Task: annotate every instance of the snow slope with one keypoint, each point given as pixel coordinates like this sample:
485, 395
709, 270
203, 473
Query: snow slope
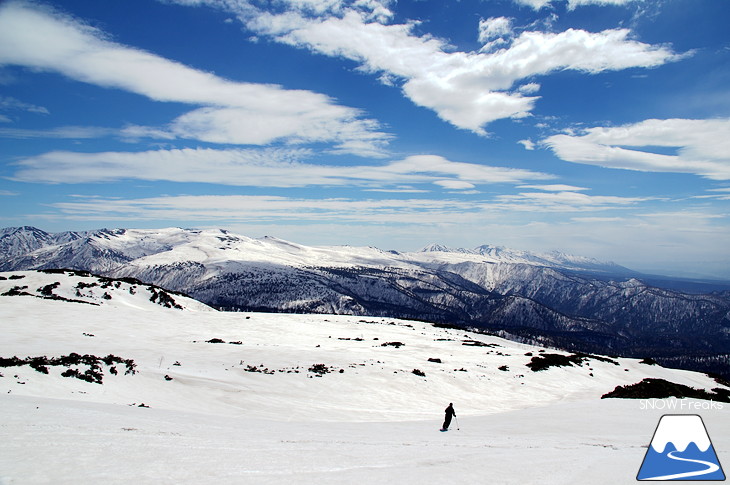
248, 409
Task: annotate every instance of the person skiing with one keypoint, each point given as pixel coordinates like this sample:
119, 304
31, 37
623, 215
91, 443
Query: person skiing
449, 414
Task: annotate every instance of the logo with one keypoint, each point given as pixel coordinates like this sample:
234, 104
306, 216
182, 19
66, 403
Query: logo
681, 450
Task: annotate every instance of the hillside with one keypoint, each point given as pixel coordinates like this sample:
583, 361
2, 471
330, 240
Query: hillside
260, 383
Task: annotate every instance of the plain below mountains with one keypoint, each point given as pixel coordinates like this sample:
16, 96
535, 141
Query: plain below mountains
553, 299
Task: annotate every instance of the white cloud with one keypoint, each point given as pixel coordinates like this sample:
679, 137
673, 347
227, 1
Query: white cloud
690, 241
554, 188
8, 103
702, 147
455, 184
259, 167
262, 209
70, 132
528, 144
565, 201
579, 3
466, 89
231, 112
494, 28
572, 4
529, 88
8, 193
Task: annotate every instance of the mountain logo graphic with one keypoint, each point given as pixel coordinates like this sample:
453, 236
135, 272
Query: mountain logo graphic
681, 450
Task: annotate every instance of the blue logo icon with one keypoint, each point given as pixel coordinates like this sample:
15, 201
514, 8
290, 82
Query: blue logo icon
681, 450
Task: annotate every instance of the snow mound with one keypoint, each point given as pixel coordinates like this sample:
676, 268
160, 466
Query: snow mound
82, 287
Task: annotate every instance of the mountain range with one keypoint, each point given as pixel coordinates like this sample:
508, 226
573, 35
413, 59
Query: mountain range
566, 301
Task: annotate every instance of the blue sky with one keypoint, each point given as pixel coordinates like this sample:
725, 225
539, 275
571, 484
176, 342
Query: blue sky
595, 127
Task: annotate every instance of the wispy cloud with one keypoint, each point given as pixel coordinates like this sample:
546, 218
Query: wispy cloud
554, 188
702, 147
230, 112
70, 132
565, 202
466, 89
267, 209
260, 167
8, 103
236, 209
572, 4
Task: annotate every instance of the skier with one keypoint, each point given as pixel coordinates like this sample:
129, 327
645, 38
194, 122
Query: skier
449, 414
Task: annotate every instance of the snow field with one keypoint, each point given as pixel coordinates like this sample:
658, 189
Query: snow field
375, 422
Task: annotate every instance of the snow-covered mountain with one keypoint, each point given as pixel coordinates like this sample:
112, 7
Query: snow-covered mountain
126, 390
568, 301
555, 259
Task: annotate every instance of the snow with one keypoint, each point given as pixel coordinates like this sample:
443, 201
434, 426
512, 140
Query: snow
375, 422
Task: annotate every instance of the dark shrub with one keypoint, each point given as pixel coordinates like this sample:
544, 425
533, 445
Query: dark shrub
659, 389
319, 369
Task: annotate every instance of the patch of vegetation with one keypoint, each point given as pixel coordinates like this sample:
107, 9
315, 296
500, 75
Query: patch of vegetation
17, 291
16, 277
163, 298
503, 368
477, 343
397, 345
648, 361
651, 388
260, 369
81, 285
435, 360
48, 289
93, 373
545, 361
217, 340
319, 369
418, 372
46, 293
72, 272
610, 360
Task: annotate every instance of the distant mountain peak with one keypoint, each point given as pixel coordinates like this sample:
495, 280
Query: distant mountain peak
436, 248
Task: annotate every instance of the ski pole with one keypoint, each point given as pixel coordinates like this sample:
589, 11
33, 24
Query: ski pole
457, 423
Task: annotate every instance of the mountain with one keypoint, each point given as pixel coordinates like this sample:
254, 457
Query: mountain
146, 393
565, 301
